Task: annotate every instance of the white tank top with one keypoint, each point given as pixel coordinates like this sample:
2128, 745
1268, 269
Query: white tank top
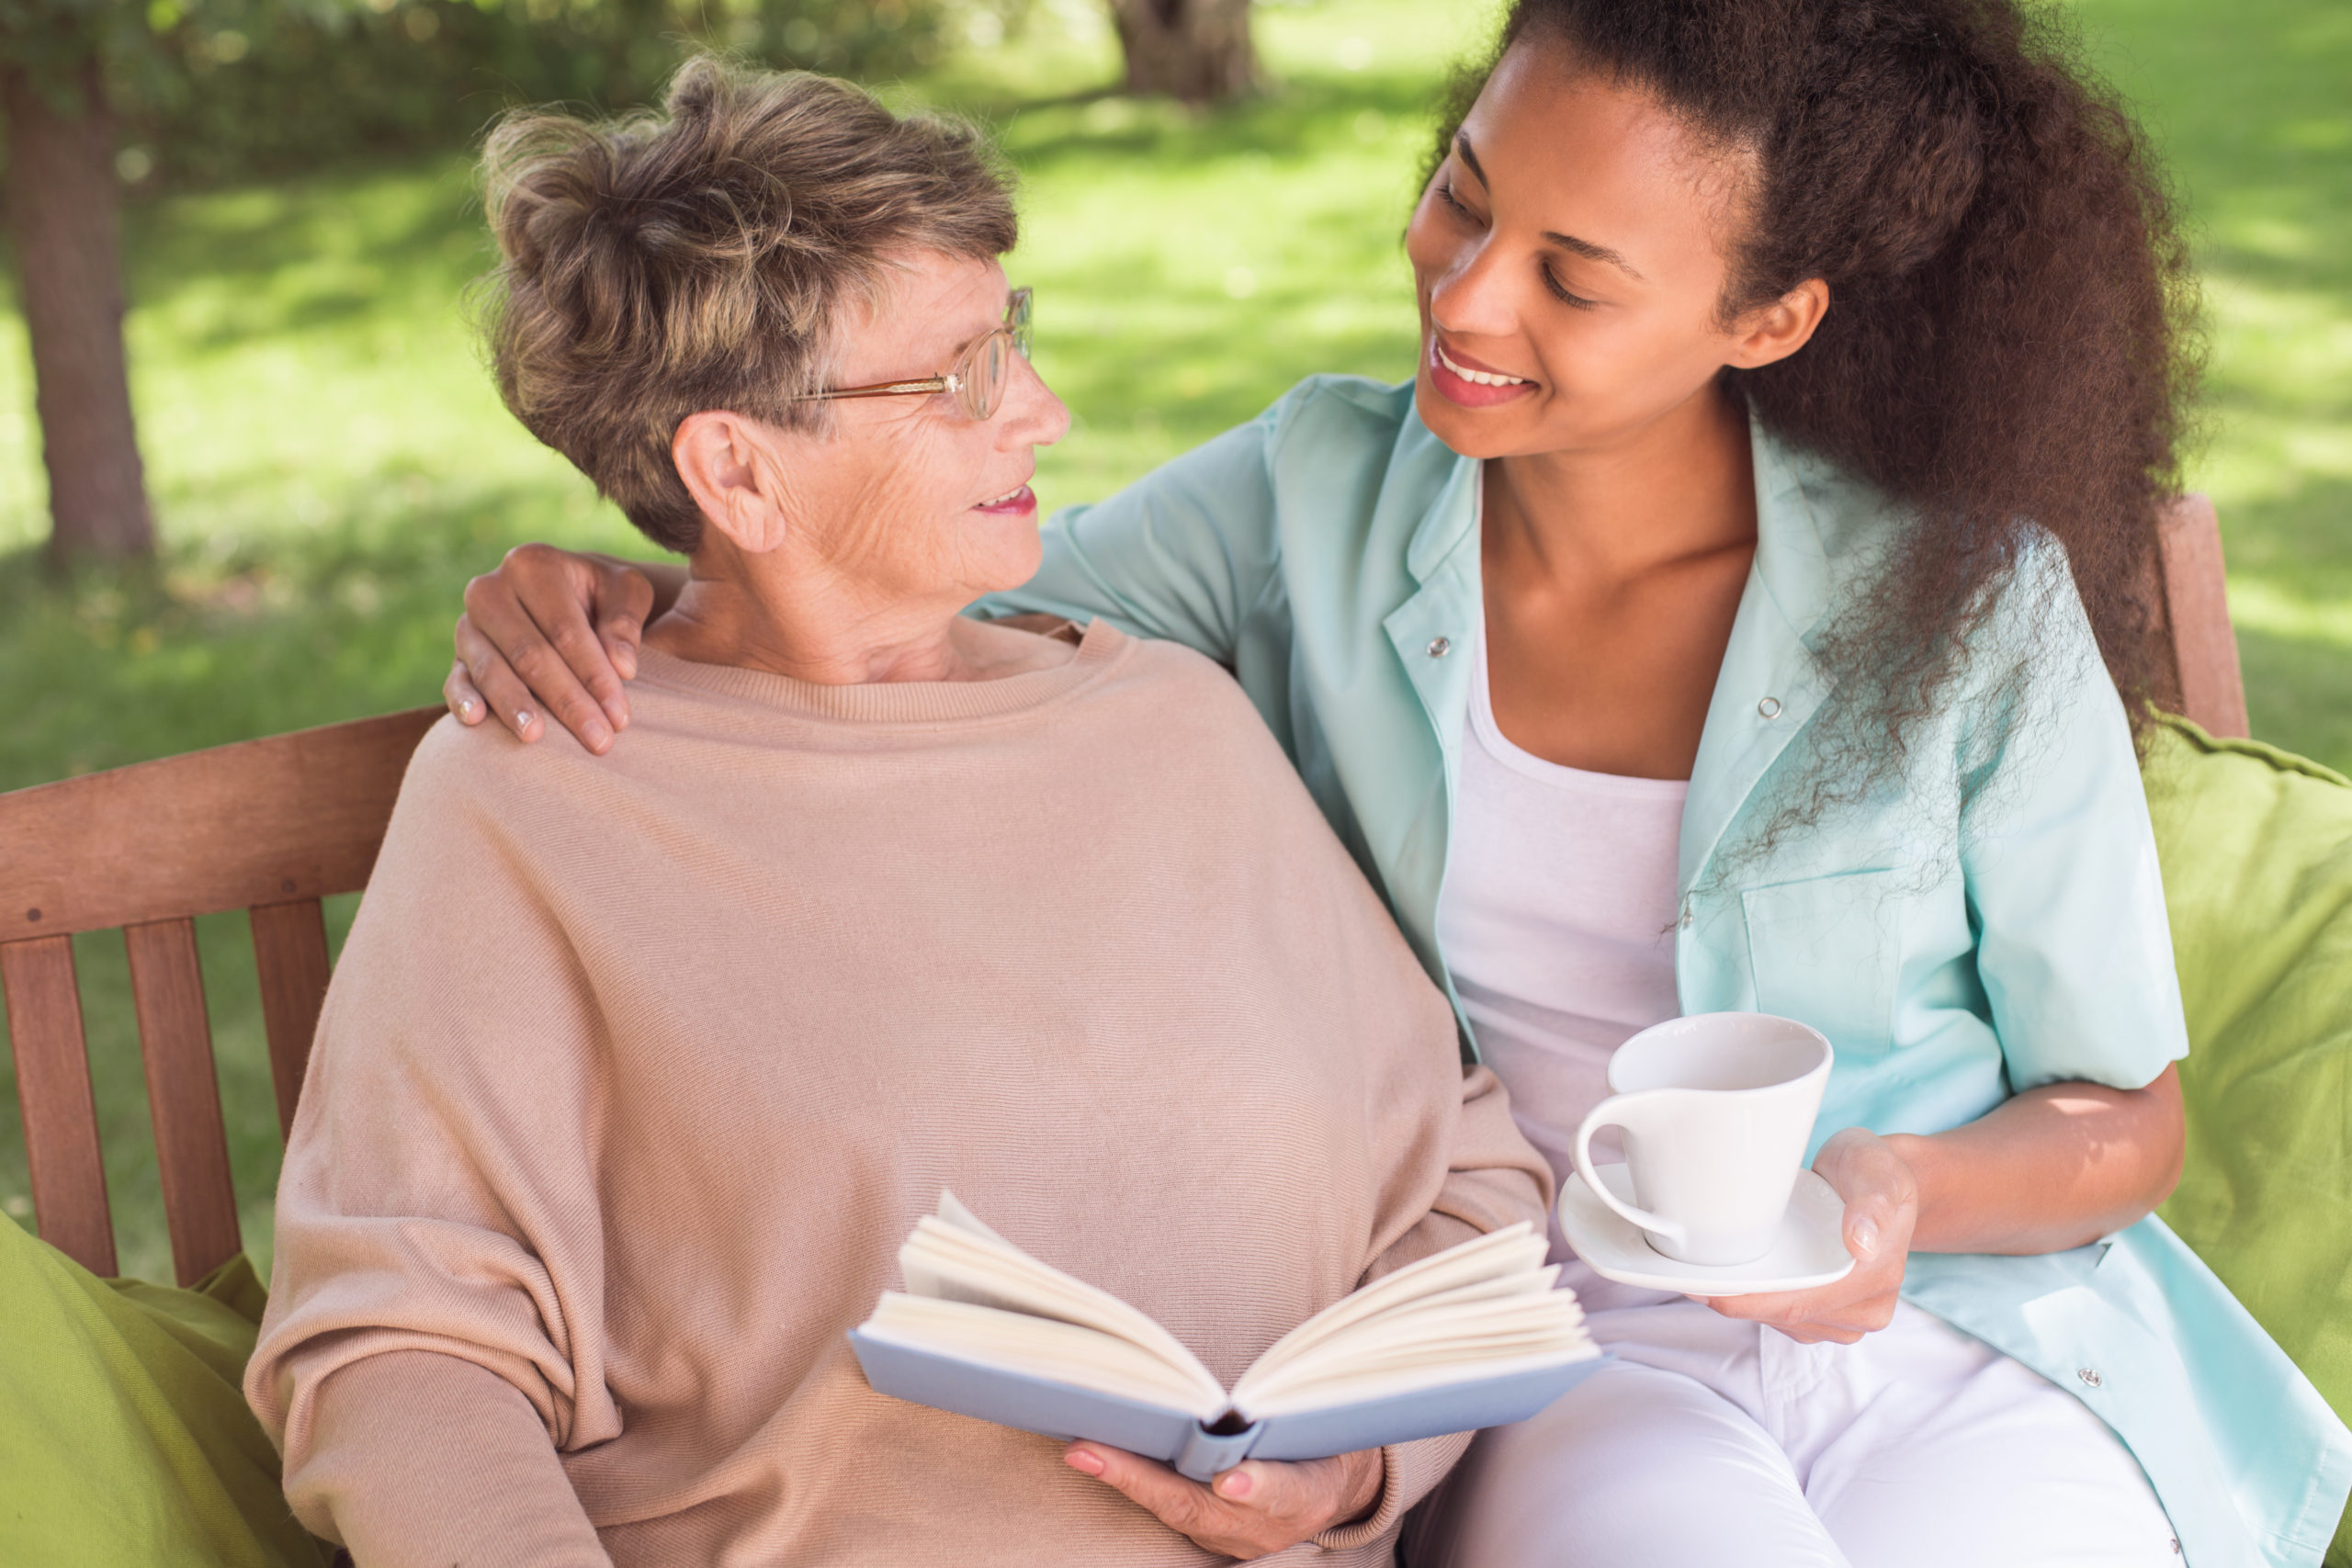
1557, 919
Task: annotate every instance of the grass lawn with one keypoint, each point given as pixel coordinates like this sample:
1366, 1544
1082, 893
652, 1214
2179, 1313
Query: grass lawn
330, 464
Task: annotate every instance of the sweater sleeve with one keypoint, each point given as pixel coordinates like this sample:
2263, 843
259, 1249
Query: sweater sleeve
424, 1460
439, 1208
1496, 1179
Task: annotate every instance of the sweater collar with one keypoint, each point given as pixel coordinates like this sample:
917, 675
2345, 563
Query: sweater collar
895, 702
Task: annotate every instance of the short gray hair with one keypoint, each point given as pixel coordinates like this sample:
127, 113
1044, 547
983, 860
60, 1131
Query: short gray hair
662, 263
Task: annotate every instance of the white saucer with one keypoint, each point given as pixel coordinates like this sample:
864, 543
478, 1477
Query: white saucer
1810, 1250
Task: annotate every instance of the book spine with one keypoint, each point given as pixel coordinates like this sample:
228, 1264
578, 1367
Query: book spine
1206, 1453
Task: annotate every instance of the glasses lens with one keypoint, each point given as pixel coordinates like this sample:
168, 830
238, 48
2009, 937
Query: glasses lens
1017, 319
984, 382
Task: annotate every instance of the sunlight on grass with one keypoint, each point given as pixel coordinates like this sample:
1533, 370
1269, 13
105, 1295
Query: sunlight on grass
2250, 106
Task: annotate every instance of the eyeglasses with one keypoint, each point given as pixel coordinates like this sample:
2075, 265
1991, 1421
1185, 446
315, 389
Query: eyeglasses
980, 373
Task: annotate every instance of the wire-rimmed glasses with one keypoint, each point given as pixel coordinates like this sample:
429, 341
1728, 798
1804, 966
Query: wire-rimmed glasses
979, 377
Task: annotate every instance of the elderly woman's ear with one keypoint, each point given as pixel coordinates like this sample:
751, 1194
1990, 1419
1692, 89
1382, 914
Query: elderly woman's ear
730, 465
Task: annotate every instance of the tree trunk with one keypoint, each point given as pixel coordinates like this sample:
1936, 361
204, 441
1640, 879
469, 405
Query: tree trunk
63, 215
1198, 51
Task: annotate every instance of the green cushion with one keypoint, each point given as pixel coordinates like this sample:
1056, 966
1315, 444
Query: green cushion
125, 1438
2256, 849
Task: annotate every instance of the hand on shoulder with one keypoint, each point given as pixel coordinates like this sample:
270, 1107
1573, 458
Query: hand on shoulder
553, 633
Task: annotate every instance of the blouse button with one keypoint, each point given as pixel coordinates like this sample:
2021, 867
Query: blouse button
1770, 707
1440, 647
2089, 1375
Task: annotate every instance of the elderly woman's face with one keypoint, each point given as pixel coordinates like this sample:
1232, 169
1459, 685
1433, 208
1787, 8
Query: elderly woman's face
911, 494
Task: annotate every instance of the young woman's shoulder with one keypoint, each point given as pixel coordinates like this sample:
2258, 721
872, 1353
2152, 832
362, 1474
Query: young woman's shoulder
1335, 420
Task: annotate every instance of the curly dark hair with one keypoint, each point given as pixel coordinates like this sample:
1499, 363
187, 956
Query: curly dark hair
2010, 328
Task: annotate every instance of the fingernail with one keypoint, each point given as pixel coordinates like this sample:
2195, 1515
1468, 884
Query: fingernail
1234, 1483
1866, 1234
624, 659
465, 707
1085, 1460
522, 718
598, 737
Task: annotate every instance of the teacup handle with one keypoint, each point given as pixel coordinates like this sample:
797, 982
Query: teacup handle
1611, 1112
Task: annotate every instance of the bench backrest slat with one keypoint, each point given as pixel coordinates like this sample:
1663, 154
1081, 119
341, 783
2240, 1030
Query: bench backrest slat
183, 1096
290, 950
61, 1120
2212, 690
266, 821
267, 825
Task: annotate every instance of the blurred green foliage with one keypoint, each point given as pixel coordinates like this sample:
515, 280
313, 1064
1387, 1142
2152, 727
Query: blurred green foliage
226, 88
210, 90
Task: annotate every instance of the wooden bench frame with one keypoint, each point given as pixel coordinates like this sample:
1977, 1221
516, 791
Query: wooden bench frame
272, 825
268, 825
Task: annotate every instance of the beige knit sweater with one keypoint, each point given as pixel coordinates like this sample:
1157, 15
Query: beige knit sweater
636, 1071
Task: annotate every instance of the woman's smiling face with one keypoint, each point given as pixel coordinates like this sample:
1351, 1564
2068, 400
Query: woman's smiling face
1569, 257
913, 490
908, 498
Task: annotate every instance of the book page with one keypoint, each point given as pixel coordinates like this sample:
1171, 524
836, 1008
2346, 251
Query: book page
1041, 1347
954, 1257
1344, 1388
1478, 1310
1460, 1345
1503, 1260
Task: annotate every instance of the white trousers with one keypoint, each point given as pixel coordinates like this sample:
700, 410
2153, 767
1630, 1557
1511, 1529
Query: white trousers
1713, 1443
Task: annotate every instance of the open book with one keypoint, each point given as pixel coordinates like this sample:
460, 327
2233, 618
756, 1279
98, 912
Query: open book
1472, 1337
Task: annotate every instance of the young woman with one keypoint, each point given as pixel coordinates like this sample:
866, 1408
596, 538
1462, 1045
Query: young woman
1732, 613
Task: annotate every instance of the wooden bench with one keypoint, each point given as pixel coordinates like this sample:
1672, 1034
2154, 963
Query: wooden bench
272, 825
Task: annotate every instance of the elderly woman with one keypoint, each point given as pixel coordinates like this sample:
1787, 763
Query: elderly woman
871, 901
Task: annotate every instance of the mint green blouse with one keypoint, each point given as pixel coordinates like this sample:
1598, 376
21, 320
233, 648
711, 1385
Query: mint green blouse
1988, 918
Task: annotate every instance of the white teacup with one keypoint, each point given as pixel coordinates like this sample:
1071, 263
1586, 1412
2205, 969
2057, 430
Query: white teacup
1716, 1110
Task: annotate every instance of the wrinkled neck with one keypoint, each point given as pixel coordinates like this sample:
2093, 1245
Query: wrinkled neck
810, 623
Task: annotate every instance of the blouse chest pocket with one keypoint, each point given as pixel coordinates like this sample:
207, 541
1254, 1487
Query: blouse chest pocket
1828, 951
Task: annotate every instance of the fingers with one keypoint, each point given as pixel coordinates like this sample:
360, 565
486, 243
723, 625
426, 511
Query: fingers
1862, 1303
598, 646
1309, 1498
1251, 1510
523, 667
621, 600
1813, 1334
1881, 1193
1185, 1506
1882, 1196
500, 690
1811, 1315
459, 692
